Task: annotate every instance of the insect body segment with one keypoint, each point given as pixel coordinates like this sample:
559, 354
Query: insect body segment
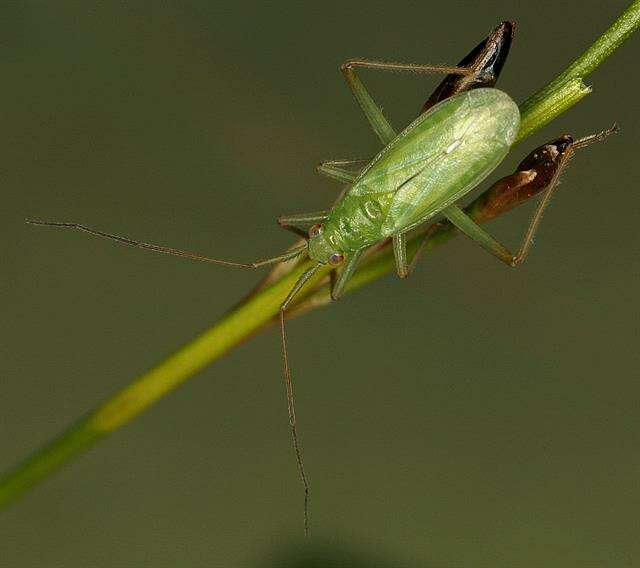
441, 156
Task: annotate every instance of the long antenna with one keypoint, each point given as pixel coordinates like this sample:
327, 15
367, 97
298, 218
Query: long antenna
167, 250
305, 276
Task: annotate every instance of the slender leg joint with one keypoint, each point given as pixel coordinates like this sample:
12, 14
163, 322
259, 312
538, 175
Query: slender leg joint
346, 66
399, 242
539, 172
349, 65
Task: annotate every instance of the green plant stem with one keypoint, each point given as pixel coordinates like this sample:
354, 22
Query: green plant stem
260, 308
590, 59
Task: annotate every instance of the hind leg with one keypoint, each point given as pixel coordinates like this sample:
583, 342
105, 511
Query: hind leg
371, 109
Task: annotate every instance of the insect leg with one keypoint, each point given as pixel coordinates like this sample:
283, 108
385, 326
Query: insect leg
400, 253
335, 169
474, 231
289, 390
372, 110
337, 286
542, 167
168, 250
302, 221
381, 126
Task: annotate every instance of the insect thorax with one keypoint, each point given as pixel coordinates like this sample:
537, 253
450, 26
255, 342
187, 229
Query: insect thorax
356, 222
353, 224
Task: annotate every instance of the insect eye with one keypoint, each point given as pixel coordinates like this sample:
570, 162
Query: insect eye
336, 258
315, 230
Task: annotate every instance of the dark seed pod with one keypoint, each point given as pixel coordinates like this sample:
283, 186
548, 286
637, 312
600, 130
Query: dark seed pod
533, 175
487, 57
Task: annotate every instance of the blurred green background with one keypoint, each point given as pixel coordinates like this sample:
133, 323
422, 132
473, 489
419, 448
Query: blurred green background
470, 416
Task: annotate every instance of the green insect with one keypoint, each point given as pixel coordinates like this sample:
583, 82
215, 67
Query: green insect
464, 132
